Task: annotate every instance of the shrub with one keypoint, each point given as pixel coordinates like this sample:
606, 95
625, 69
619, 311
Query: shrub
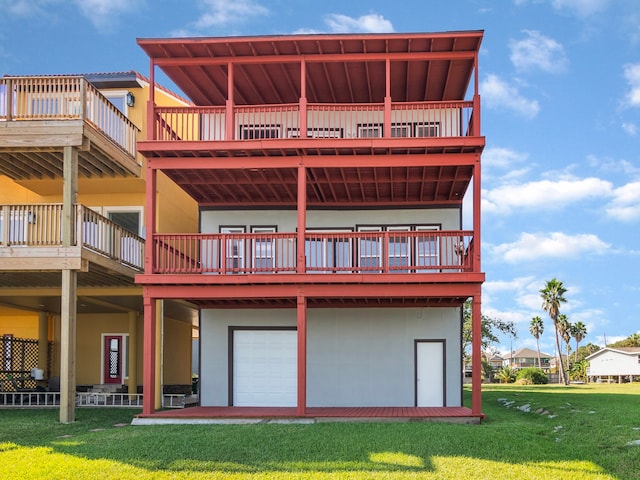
506, 375
535, 375
523, 381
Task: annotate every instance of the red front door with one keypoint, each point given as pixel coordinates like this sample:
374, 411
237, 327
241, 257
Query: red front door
112, 348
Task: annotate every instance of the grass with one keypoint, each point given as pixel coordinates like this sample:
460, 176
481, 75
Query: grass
580, 432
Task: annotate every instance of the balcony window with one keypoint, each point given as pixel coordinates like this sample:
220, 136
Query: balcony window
370, 250
328, 254
370, 130
234, 247
399, 130
427, 129
18, 227
254, 132
399, 250
263, 250
427, 251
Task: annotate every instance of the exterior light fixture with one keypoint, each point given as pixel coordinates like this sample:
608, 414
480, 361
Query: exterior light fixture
131, 100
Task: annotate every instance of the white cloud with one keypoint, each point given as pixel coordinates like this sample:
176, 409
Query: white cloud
371, 23
625, 205
582, 8
632, 76
533, 246
536, 51
496, 93
219, 13
630, 128
102, 13
543, 194
502, 157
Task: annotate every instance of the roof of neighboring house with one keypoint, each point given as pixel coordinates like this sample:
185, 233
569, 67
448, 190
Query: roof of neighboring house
622, 350
526, 353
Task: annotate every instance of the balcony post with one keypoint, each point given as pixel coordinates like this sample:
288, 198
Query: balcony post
150, 220
9, 94
477, 202
302, 217
386, 125
230, 121
151, 114
304, 121
68, 346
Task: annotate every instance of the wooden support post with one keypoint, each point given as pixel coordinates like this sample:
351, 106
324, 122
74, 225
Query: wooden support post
68, 347
43, 341
302, 354
158, 352
133, 354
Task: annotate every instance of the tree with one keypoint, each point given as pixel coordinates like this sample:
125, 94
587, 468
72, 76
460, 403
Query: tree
564, 330
578, 332
632, 340
536, 327
490, 327
552, 297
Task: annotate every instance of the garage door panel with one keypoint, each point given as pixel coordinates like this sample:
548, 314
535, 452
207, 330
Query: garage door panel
265, 368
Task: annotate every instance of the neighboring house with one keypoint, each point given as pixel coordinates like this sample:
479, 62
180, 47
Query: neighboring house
526, 357
332, 266
495, 361
619, 363
72, 233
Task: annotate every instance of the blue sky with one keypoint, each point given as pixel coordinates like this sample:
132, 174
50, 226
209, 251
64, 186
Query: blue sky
560, 86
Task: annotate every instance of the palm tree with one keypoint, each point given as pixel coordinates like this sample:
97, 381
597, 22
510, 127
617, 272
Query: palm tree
552, 297
564, 330
536, 327
578, 331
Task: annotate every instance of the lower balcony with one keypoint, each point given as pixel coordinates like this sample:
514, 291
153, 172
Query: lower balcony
32, 248
380, 252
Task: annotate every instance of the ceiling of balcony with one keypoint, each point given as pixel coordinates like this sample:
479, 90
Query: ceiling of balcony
339, 68
330, 186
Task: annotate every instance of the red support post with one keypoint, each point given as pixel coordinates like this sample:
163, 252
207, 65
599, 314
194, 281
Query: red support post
302, 217
150, 219
151, 114
476, 356
229, 125
302, 354
149, 356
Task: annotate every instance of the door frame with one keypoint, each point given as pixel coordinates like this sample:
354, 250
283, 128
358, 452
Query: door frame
124, 340
443, 342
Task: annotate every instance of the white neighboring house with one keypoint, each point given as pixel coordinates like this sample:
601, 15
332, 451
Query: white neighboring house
614, 362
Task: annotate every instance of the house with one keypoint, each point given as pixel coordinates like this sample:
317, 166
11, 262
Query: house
331, 265
526, 357
72, 234
609, 362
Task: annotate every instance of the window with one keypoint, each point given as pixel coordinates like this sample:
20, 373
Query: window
328, 253
253, 132
400, 130
370, 249
427, 129
118, 98
369, 130
234, 249
427, 250
320, 132
18, 227
399, 250
130, 220
263, 249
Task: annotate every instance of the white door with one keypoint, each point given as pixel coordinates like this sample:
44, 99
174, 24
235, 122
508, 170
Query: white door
430, 373
265, 368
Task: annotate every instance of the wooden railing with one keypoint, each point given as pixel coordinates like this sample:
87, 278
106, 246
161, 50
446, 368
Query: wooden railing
415, 119
65, 97
40, 225
349, 252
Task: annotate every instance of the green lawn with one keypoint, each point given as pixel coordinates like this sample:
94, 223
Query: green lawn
583, 432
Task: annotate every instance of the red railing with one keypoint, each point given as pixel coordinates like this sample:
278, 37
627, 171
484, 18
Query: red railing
427, 251
415, 119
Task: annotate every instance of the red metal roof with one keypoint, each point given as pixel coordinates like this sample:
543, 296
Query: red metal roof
339, 68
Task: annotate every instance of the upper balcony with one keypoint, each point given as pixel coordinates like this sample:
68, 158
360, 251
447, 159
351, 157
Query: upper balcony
39, 116
32, 250
316, 129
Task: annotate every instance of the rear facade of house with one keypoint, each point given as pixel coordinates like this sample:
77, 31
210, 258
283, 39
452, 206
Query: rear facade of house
331, 264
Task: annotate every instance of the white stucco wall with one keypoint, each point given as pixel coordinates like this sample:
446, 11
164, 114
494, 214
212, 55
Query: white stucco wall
355, 357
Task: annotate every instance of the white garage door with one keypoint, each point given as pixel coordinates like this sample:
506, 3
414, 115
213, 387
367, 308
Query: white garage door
265, 368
